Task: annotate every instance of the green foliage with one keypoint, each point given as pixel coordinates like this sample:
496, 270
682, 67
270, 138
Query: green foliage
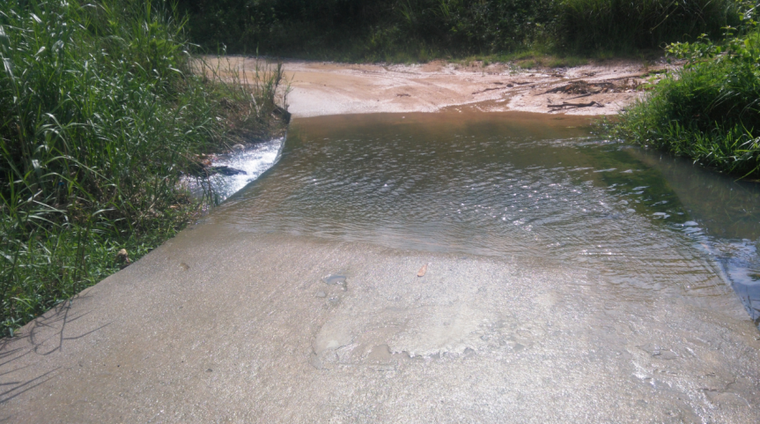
710, 110
619, 25
399, 30
368, 29
101, 113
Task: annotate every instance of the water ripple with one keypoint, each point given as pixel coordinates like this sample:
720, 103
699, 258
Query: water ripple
483, 190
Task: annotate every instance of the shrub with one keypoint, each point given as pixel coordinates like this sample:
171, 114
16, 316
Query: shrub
383, 29
618, 25
710, 110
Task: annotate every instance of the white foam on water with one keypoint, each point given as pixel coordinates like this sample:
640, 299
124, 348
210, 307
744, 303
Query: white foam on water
253, 161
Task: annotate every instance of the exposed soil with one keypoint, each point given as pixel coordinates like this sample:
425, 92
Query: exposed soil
321, 88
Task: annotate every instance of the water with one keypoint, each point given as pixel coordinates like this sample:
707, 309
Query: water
250, 163
566, 279
512, 185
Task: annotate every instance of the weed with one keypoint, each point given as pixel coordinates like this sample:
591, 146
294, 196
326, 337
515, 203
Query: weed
101, 113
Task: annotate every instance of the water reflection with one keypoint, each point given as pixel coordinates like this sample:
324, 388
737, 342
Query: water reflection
727, 220
511, 185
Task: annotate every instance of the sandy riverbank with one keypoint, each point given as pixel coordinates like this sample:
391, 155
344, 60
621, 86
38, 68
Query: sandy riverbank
322, 88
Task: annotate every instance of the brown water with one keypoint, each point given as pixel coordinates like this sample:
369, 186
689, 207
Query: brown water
511, 185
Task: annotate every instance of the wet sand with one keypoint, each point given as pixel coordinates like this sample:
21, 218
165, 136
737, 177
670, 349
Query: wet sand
319, 88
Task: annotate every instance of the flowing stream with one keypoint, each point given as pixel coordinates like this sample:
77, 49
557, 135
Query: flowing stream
512, 185
446, 267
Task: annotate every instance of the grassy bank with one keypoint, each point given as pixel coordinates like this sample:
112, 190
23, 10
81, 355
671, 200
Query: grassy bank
102, 112
710, 110
417, 30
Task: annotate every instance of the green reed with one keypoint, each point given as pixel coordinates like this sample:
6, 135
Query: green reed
102, 111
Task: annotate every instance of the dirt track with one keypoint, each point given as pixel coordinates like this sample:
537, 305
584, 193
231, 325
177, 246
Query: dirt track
319, 88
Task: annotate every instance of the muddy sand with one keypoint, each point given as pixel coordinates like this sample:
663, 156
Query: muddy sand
319, 88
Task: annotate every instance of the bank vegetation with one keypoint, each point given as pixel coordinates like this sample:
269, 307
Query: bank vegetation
418, 30
103, 110
708, 111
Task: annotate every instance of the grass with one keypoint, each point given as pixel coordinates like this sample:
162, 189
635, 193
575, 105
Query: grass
710, 110
525, 60
102, 111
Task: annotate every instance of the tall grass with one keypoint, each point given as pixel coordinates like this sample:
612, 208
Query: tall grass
710, 110
100, 116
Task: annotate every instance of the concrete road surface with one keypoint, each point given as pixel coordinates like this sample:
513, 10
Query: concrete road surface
223, 325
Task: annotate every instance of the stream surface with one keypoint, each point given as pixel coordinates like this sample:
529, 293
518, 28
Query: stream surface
420, 268
513, 185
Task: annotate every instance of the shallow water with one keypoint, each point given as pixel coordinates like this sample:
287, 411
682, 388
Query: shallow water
511, 185
250, 163
423, 268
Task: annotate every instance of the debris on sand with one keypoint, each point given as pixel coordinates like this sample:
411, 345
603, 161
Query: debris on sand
422, 271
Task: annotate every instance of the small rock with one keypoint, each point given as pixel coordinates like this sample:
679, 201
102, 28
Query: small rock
282, 113
225, 170
238, 147
321, 294
422, 271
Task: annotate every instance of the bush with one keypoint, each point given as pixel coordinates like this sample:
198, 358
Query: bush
388, 29
625, 26
101, 115
710, 110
